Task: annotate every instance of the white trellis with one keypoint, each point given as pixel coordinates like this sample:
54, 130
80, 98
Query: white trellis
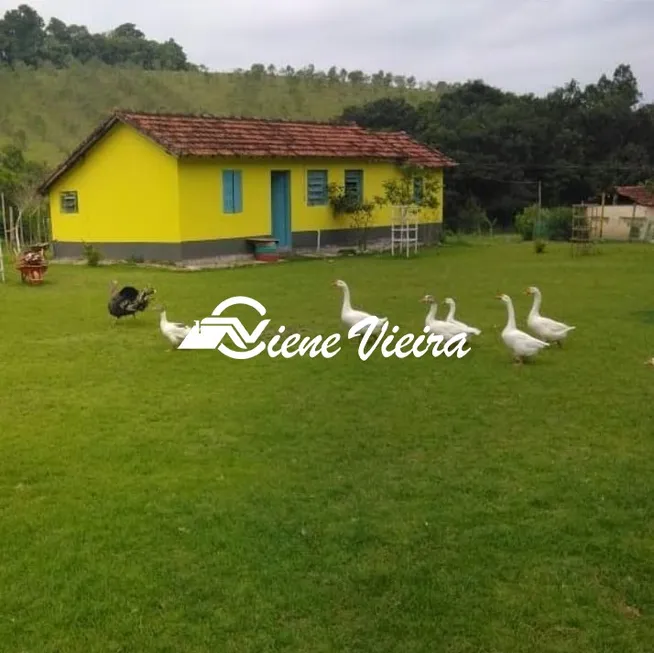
404, 229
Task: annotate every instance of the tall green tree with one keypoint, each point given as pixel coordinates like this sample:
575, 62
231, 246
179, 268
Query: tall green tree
22, 36
24, 39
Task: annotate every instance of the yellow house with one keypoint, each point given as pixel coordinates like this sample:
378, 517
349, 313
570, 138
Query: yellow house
179, 187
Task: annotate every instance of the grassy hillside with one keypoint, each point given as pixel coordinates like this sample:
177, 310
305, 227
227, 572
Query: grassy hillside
48, 111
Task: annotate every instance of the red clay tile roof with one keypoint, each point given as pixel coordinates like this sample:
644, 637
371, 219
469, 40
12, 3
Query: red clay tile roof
638, 194
212, 136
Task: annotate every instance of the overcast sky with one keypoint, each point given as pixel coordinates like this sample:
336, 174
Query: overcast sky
519, 45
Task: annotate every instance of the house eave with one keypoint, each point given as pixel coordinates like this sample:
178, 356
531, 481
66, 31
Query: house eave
399, 161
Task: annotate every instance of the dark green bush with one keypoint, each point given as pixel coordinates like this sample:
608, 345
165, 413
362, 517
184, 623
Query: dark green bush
555, 223
559, 223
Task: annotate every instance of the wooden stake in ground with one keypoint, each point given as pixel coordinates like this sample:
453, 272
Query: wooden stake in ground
13, 236
39, 236
2, 263
5, 234
20, 227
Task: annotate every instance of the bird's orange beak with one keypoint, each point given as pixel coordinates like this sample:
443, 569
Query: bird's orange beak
498, 296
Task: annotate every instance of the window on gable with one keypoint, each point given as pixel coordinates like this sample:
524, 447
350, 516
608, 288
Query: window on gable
232, 191
418, 189
68, 202
316, 187
354, 184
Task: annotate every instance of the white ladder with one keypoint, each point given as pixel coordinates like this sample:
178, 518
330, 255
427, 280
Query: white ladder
404, 229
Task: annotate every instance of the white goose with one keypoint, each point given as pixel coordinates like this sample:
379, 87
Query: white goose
439, 327
545, 328
520, 343
468, 330
174, 332
351, 316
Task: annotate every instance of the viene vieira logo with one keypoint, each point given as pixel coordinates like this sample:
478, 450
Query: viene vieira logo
212, 331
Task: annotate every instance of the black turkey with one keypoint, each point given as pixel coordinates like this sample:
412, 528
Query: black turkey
128, 300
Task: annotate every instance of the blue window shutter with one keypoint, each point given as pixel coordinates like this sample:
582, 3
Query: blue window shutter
228, 191
316, 187
354, 184
238, 191
418, 189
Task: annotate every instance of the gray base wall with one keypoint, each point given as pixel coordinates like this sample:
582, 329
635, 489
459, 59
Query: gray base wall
193, 250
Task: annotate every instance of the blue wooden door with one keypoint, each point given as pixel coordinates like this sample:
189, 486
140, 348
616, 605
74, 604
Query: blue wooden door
280, 207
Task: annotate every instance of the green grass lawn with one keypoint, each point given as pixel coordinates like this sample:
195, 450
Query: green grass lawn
185, 502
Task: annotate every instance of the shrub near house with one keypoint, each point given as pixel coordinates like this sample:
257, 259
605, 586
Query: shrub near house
555, 223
